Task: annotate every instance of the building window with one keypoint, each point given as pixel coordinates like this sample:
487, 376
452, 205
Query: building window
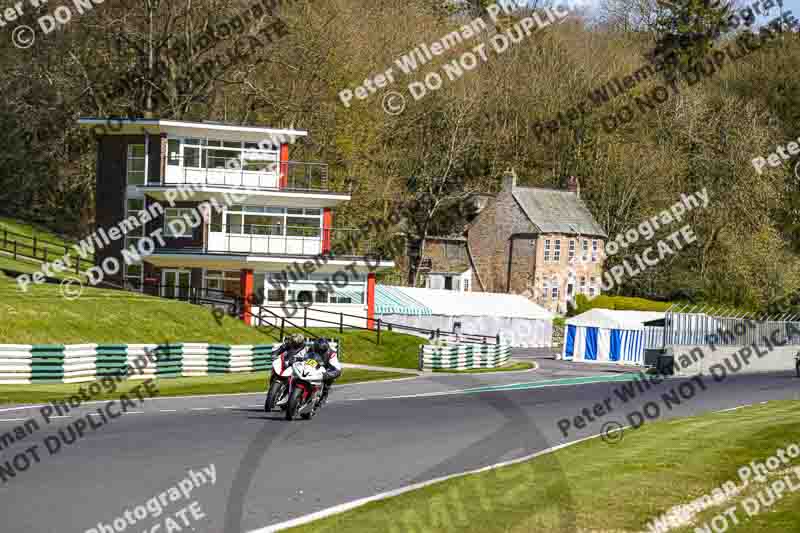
571, 249
595, 249
557, 252
275, 221
220, 155
134, 207
585, 243
546, 250
554, 288
592, 287
174, 152
134, 277
583, 285
545, 289
137, 164
222, 283
173, 213
466, 285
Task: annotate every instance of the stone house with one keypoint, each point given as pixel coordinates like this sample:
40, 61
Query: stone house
540, 242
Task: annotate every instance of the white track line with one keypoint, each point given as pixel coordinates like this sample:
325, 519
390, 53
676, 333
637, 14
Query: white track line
338, 509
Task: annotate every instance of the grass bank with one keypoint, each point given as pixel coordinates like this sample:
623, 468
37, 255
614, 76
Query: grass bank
103, 316
221, 384
595, 486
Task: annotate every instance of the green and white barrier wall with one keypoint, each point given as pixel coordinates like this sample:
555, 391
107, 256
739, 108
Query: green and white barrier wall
463, 356
25, 363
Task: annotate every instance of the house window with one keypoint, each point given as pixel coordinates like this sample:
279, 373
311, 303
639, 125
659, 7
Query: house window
137, 164
545, 289
585, 243
557, 252
571, 249
595, 249
592, 287
546, 250
554, 288
583, 285
172, 213
466, 285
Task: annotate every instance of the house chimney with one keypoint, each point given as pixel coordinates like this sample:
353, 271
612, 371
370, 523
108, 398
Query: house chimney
509, 179
573, 185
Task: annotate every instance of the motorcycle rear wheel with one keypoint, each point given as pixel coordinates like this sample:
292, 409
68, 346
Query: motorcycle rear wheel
293, 405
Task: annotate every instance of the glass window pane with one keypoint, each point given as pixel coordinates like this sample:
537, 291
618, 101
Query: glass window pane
220, 158
136, 150
276, 210
303, 227
321, 297
216, 220
293, 211
214, 142
173, 152
254, 209
313, 212
135, 204
193, 142
234, 223
235, 208
232, 144
133, 270
275, 295
191, 157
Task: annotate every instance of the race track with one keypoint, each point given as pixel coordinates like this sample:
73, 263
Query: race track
370, 438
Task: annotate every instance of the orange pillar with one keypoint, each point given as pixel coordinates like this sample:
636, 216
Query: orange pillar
371, 300
284, 166
327, 221
246, 281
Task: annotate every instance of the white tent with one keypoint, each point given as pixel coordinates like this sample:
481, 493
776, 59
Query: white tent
606, 335
516, 319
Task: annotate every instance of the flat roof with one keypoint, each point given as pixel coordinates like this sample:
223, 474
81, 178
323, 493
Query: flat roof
127, 126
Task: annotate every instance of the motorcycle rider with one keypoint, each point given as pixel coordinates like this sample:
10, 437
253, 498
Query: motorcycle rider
293, 347
321, 351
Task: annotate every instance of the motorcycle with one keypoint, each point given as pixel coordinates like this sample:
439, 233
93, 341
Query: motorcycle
277, 395
305, 389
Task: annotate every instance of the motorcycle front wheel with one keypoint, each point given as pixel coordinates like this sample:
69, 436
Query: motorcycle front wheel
293, 405
274, 394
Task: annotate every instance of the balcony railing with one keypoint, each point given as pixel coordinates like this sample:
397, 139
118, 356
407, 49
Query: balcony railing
285, 240
279, 176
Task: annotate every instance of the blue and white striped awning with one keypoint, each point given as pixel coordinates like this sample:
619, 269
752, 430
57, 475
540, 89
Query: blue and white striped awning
389, 300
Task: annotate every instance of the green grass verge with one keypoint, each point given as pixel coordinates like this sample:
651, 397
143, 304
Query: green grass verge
103, 316
511, 367
221, 384
594, 486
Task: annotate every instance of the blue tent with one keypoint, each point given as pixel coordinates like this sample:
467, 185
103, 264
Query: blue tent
608, 336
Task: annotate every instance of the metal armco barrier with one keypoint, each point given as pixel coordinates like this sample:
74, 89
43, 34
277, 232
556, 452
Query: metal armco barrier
463, 356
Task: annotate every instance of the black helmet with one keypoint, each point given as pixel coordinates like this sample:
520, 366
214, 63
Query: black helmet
321, 346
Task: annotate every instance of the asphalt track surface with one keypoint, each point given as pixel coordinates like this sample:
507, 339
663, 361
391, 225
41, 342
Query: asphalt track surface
370, 438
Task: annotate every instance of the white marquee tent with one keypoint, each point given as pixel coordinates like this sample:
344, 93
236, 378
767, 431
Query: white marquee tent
516, 319
609, 336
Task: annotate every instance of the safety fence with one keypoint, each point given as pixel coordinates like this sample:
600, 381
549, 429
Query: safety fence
705, 325
463, 356
74, 363
33, 247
